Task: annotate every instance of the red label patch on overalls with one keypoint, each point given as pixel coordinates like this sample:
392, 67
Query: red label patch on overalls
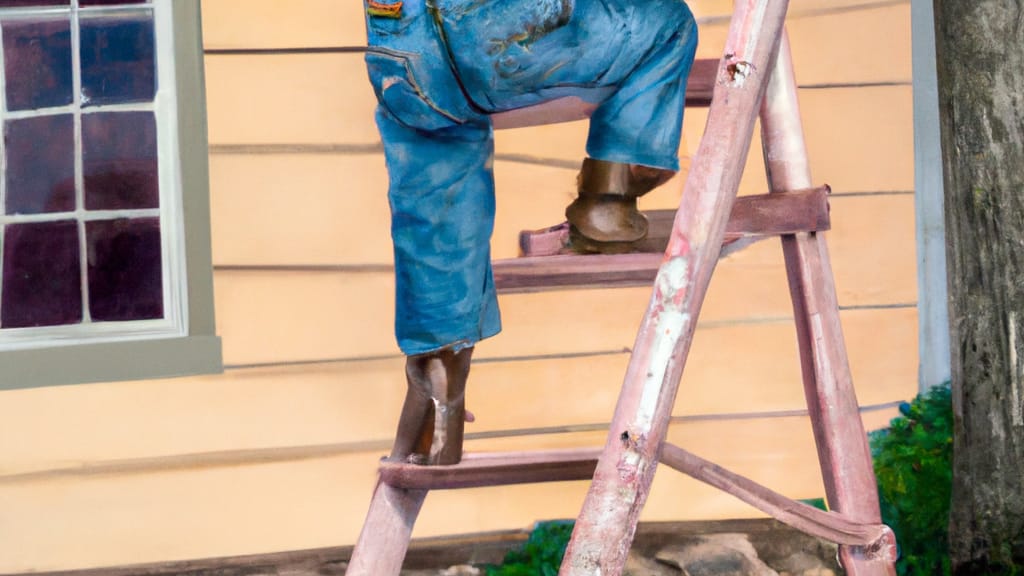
384, 9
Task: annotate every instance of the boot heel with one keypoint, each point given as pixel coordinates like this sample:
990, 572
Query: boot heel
581, 244
604, 216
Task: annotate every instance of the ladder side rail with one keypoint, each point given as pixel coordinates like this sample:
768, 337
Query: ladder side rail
842, 445
607, 522
387, 531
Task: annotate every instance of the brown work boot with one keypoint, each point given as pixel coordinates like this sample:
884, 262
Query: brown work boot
433, 418
604, 217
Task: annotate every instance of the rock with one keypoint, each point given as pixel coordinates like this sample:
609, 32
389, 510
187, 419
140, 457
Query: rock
803, 564
336, 568
716, 555
461, 570
794, 554
638, 565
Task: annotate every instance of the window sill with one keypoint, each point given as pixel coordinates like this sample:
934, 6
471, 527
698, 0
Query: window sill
90, 363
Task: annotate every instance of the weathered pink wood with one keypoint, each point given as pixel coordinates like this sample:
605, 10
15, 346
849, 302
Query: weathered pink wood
831, 526
551, 241
386, 532
838, 431
752, 216
498, 469
568, 271
547, 265
699, 88
607, 523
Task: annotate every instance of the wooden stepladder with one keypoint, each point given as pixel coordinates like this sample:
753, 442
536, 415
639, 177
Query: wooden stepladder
754, 76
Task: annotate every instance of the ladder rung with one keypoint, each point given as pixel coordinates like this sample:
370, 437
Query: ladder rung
495, 469
701, 83
546, 263
761, 215
575, 271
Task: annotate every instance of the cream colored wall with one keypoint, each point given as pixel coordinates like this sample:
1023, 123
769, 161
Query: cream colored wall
279, 452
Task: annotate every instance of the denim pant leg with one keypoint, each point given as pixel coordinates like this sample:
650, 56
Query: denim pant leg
631, 58
442, 215
641, 123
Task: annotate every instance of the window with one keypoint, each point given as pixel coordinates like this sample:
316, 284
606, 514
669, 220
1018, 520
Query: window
104, 155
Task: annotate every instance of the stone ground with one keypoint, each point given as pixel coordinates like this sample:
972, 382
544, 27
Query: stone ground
733, 548
724, 548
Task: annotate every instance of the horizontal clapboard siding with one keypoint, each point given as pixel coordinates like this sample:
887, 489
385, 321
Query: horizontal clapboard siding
331, 208
734, 369
192, 512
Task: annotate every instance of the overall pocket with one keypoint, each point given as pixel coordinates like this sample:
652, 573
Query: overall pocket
407, 97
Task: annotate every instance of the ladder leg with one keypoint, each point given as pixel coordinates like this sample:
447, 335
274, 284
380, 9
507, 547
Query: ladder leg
607, 522
843, 449
386, 532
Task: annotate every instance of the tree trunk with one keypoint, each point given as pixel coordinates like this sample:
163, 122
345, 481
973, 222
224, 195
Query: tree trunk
980, 49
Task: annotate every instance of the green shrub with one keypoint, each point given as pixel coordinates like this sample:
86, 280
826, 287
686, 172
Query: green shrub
913, 462
542, 553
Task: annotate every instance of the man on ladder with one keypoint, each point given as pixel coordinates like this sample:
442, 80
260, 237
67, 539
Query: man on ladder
501, 55
440, 69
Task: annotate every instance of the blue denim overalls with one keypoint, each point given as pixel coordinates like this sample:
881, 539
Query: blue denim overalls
443, 66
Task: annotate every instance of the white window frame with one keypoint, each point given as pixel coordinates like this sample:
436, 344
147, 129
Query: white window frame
184, 342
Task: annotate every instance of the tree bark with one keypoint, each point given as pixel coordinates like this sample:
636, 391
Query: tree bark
980, 50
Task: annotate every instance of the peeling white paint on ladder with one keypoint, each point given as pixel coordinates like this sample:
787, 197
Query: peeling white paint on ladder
740, 57
669, 327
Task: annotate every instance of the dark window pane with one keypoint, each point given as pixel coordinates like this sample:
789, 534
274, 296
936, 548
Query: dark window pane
40, 164
119, 153
41, 277
37, 63
15, 3
118, 62
125, 272
108, 2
